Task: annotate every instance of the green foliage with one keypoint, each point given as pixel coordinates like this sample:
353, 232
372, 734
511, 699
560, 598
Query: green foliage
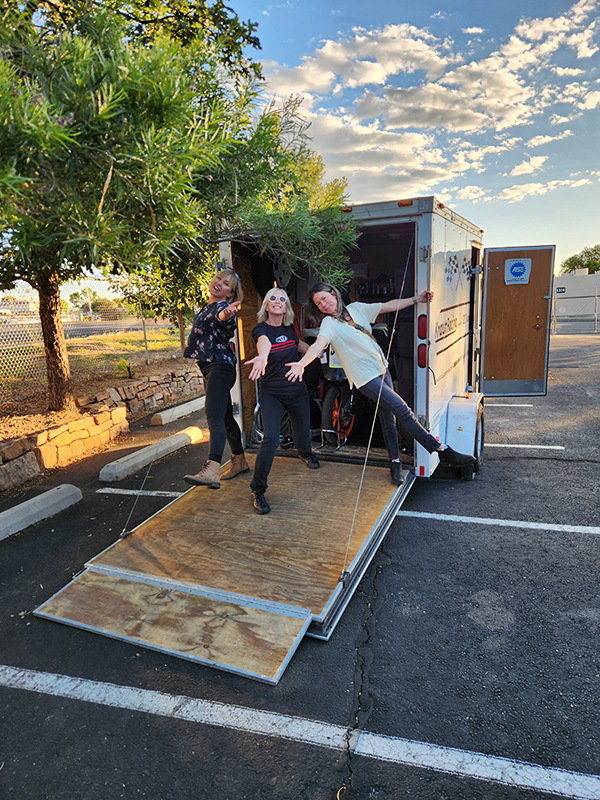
217, 25
124, 366
100, 140
588, 258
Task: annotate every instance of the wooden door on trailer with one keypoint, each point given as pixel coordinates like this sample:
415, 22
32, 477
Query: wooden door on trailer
516, 320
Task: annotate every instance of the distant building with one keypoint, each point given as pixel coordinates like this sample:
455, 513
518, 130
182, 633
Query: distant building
576, 294
15, 307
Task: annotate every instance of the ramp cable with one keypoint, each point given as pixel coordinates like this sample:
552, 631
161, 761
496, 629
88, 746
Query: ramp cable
125, 532
364, 469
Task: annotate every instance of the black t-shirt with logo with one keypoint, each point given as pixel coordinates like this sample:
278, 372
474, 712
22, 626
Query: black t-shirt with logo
284, 350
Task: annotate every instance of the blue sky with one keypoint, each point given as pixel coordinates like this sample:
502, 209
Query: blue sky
494, 108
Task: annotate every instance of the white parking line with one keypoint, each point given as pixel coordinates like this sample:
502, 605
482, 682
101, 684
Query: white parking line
141, 492
510, 405
460, 763
528, 446
504, 523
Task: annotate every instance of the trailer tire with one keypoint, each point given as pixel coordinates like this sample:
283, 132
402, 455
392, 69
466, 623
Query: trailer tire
334, 417
468, 473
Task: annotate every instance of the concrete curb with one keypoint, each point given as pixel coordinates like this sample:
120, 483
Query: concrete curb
38, 508
162, 417
122, 467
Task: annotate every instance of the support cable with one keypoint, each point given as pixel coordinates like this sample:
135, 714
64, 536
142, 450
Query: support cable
364, 469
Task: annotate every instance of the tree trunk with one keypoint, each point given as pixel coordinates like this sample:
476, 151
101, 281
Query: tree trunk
60, 397
181, 326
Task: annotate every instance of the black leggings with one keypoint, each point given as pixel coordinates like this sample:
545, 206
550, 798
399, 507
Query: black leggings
272, 410
218, 382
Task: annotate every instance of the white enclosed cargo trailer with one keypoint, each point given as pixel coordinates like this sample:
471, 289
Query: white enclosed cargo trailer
207, 580
486, 331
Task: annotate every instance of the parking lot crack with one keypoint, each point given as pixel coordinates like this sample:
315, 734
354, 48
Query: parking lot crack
363, 703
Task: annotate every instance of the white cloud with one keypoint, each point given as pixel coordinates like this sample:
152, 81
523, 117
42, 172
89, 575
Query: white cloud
400, 90
470, 193
527, 167
519, 192
566, 71
367, 58
591, 100
539, 140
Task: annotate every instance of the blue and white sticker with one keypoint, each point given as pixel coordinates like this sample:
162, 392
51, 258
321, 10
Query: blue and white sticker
517, 270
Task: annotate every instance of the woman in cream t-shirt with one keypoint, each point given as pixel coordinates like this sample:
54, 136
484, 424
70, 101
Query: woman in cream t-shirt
348, 330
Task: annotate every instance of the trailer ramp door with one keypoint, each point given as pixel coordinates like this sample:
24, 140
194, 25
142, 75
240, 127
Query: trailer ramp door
516, 320
208, 580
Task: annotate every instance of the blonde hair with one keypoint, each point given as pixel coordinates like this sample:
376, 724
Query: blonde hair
235, 281
288, 314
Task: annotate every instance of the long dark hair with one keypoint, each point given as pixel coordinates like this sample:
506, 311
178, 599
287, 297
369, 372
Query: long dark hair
314, 315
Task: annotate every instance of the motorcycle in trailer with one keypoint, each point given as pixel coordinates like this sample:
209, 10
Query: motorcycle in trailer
207, 580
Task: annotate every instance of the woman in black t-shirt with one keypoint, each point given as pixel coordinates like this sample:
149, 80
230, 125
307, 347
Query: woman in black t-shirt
278, 344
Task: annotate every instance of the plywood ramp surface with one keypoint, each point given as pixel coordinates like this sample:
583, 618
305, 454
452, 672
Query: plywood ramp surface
240, 639
294, 555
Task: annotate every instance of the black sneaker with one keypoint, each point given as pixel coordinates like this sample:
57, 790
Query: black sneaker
310, 460
396, 473
260, 504
451, 457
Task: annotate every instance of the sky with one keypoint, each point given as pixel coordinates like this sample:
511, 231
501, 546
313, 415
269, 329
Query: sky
494, 108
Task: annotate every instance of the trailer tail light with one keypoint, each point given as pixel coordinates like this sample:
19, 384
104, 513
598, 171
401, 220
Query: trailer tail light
421, 472
422, 326
422, 355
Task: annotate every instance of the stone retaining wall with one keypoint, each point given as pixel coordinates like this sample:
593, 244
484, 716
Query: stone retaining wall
24, 458
106, 417
145, 394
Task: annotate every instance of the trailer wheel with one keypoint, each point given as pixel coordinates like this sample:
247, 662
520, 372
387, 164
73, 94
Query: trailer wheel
468, 473
335, 414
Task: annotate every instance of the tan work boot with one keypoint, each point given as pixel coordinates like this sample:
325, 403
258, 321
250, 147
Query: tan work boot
208, 476
238, 464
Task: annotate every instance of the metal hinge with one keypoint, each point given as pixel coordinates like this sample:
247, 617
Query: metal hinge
424, 252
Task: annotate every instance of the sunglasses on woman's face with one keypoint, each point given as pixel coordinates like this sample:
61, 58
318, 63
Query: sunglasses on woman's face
273, 299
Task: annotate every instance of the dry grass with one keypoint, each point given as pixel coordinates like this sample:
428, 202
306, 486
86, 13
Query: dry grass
27, 411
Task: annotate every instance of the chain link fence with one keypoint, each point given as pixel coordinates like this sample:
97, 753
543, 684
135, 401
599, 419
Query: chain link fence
577, 314
103, 334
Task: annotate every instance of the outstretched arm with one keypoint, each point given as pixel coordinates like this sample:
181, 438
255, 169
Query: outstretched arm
228, 312
405, 302
296, 368
259, 362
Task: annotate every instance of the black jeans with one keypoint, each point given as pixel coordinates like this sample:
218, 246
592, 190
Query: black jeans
218, 382
392, 408
272, 409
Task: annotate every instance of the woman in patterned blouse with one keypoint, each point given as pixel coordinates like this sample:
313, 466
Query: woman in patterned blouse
209, 345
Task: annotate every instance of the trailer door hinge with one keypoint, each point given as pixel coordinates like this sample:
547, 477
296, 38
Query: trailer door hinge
423, 252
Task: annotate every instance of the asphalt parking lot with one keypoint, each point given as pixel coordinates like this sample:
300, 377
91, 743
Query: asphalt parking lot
466, 666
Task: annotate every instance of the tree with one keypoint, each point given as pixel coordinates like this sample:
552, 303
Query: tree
588, 258
216, 25
100, 139
293, 213
81, 300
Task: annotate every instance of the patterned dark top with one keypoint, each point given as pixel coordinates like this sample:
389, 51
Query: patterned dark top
209, 337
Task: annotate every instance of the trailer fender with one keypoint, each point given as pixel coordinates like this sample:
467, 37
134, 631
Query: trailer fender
464, 424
